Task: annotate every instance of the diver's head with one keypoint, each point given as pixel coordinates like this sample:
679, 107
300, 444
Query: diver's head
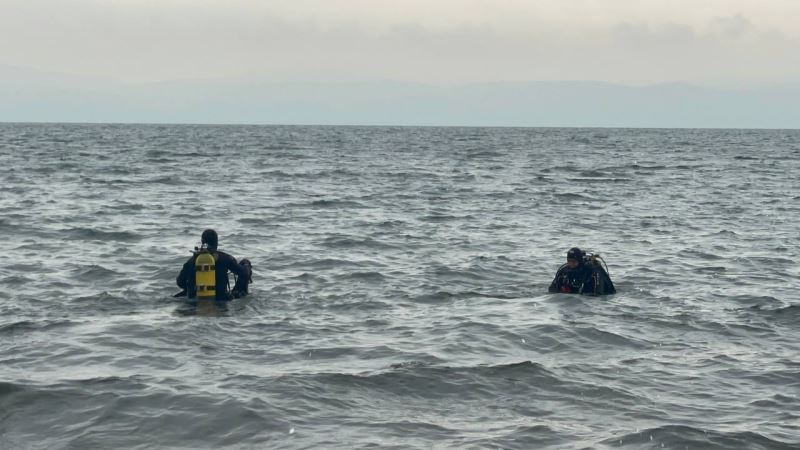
575, 257
209, 238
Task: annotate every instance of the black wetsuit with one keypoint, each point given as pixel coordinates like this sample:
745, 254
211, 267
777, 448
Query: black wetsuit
586, 279
224, 264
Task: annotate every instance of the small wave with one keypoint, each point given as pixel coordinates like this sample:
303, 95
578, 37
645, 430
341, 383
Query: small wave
700, 255
469, 137
326, 263
6, 225
792, 310
169, 180
392, 224
92, 234
351, 242
103, 298
445, 296
648, 167
254, 221
723, 233
276, 173
460, 274
436, 297
441, 217
310, 277
157, 153
522, 437
25, 326
766, 261
594, 180
126, 206
371, 277
7, 389
485, 154
358, 306
685, 322
329, 203
711, 269
193, 155
682, 436
281, 146
777, 401
440, 381
402, 429
758, 301
787, 315
338, 173
572, 196
94, 272
598, 336
409, 365
786, 378
593, 174
18, 280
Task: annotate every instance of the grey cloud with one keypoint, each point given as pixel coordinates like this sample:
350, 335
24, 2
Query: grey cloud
178, 41
732, 27
661, 36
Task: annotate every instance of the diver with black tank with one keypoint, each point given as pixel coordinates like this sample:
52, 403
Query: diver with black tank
582, 274
205, 274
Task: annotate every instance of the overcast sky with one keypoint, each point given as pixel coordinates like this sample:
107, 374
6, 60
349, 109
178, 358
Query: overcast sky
710, 42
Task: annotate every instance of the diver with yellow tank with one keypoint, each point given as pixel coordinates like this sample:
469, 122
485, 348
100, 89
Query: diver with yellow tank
205, 274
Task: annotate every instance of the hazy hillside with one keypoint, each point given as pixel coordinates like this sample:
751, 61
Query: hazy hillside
29, 95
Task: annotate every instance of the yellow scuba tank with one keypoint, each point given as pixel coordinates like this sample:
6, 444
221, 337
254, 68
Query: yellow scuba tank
205, 277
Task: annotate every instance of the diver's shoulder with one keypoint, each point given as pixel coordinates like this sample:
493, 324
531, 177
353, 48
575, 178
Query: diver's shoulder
562, 270
221, 255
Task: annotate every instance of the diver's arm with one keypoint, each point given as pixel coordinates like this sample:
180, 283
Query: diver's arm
238, 269
602, 282
591, 285
184, 275
233, 265
609, 285
554, 285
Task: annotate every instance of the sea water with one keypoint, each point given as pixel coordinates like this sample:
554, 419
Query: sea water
400, 288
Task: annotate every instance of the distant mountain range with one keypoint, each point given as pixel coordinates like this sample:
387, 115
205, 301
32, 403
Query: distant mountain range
32, 96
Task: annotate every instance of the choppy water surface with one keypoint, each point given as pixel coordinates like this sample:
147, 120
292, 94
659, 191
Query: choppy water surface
399, 288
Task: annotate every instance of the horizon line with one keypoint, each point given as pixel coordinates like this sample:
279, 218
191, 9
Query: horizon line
254, 124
